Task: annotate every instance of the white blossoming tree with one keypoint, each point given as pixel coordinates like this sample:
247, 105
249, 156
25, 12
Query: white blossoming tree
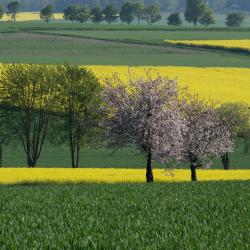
144, 113
206, 136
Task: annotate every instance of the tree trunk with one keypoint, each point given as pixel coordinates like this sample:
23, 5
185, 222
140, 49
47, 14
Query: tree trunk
193, 172
31, 162
74, 151
225, 161
149, 173
1, 155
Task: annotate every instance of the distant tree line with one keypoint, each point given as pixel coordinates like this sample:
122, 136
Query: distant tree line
196, 11
65, 104
165, 5
128, 13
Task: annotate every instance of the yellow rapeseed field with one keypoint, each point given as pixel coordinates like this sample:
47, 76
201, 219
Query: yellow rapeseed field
227, 44
30, 16
111, 175
222, 84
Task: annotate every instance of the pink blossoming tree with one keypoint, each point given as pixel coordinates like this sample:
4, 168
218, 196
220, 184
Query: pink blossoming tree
206, 136
144, 113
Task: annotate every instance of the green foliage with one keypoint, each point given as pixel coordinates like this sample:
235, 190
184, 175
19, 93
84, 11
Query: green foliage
70, 12
236, 116
166, 5
13, 8
96, 14
83, 14
138, 11
110, 14
195, 10
127, 12
31, 91
152, 14
79, 101
174, 19
47, 13
235, 19
125, 216
208, 18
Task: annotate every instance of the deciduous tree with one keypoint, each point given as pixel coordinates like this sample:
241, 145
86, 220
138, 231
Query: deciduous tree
110, 14
96, 14
80, 102
152, 14
205, 136
127, 13
143, 113
236, 117
70, 12
235, 19
208, 18
195, 9
13, 8
138, 11
83, 14
174, 19
32, 91
47, 13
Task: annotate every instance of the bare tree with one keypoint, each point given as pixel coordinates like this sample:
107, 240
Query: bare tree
144, 113
32, 90
205, 136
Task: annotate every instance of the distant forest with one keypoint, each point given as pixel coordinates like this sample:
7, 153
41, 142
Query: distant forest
166, 5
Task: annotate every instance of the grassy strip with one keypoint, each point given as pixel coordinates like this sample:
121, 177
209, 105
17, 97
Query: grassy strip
129, 216
61, 25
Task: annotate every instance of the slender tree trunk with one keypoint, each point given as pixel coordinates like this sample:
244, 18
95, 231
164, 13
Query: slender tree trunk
1, 155
77, 156
72, 154
149, 173
225, 161
193, 172
31, 162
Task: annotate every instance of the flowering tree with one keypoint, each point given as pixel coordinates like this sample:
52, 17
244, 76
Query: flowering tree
205, 136
144, 113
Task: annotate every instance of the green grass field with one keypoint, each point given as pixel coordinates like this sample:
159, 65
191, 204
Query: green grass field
49, 49
153, 36
128, 216
107, 158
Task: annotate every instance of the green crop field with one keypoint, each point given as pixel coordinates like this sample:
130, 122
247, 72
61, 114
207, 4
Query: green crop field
49, 49
128, 216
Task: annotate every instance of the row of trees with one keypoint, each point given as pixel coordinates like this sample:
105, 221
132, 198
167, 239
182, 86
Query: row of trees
166, 5
67, 105
129, 11
196, 12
